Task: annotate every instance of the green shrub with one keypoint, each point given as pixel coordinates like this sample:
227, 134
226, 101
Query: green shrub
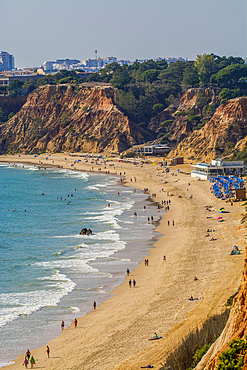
65, 119
180, 113
165, 138
11, 115
201, 352
194, 118
240, 156
130, 154
3, 116
200, 125
208, 110
167, 122
157, 108
191, 348
233, 358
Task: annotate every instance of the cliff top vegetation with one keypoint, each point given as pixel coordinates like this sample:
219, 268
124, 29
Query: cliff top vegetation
145, 89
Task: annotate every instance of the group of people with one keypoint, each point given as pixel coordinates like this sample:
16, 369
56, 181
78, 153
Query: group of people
30, 358
132, 282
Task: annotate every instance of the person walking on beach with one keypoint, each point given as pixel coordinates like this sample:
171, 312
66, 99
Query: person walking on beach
75, 323
164, 258
134, 282
128, 272
94, 305
173, 223
48, 351
168, 223
28, 354
62, 325
130, 283
32, 361
25, 362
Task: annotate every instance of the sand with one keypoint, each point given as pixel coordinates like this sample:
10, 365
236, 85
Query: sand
115, 335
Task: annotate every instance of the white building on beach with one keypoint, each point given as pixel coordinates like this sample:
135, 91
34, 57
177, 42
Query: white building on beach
218, 168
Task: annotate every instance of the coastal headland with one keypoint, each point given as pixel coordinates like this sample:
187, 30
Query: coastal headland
115, 335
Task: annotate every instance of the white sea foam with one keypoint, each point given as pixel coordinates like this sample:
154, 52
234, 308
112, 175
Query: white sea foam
68, 173
104, 235
97, 250
2, 364
74, 309
108, 215
78, 265
17, 304
92, 187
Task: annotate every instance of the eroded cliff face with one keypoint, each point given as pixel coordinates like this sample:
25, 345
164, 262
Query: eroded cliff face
235, 328
69, 118
225, 132
180, 127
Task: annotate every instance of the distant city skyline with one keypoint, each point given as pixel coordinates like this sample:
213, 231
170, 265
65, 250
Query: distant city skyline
34, 31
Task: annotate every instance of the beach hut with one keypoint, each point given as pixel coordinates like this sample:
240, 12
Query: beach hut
240, 194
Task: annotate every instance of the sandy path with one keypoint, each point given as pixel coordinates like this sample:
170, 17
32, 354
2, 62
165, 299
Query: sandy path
115, 336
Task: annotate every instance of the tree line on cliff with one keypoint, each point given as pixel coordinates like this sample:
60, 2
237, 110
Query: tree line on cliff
145, 89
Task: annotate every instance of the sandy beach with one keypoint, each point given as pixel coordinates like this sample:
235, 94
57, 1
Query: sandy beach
115, 335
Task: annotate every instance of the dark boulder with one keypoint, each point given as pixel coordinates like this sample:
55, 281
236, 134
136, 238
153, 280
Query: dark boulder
83, 231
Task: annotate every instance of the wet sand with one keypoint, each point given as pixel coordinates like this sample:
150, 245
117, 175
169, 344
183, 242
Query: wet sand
115, 335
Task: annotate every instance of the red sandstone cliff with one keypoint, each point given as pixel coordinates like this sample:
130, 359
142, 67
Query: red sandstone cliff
226, 129
180, 126
68, 118
235, 328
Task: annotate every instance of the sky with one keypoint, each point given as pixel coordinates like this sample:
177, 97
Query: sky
35, 31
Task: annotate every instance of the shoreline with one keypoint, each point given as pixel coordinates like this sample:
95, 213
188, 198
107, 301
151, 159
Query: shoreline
123, 323
134, 252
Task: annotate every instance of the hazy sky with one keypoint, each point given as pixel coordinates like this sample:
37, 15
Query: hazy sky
35, 31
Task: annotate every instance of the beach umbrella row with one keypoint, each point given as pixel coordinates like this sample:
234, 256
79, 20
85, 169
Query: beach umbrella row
223, 185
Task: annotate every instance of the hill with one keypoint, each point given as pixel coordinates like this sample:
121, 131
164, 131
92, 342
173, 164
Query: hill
68, 118
224, 134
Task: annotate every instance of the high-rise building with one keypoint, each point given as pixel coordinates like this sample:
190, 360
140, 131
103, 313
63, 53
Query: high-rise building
6, 61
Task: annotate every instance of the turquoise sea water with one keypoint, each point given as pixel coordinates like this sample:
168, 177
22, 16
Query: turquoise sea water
48, 272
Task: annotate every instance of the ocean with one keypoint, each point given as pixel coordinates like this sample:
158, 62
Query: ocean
48, 272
